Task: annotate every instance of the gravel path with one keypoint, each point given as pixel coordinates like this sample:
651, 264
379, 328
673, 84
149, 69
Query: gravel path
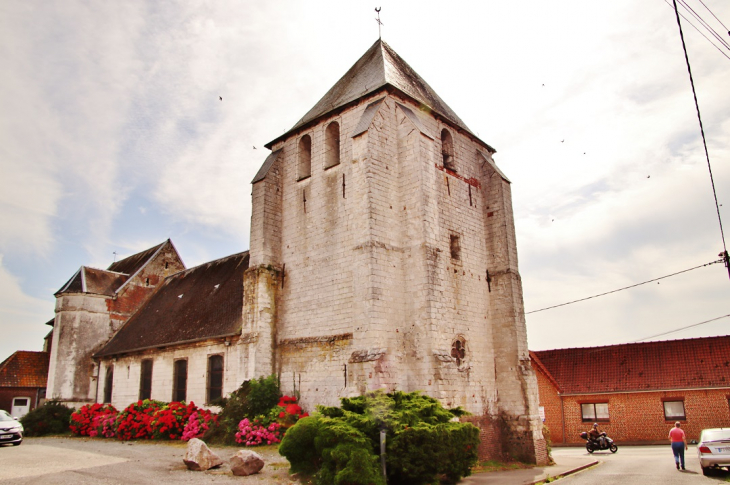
81, 461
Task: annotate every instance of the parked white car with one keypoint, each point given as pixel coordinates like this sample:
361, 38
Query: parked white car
11, 430
713, 449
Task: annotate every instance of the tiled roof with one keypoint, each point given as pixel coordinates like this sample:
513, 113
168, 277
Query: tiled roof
133, 263
100, 282
672, 364
25, 369
200, 303
378, 67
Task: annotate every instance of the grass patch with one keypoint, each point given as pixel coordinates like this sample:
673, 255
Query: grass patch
498, 466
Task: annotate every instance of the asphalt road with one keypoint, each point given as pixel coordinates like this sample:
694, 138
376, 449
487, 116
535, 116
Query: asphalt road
639, 465
86, 461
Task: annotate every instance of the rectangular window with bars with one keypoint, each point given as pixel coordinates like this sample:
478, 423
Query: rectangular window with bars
594, 411
145, 380
180, 380
674, 410
215, 377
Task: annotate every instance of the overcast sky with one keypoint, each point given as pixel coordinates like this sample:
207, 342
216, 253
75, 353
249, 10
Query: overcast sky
113, 139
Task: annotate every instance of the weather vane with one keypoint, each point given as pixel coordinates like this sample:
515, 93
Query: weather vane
115, 256
378, 21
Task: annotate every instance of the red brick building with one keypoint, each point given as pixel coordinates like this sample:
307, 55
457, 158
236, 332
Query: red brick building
635, 391
23, 378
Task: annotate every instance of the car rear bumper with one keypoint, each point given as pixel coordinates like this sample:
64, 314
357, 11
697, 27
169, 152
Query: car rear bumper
709, 460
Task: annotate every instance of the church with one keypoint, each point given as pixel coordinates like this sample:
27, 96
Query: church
382, 256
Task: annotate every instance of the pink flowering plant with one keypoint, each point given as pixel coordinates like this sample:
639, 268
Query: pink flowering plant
258, 432
199, 422
269, 428
105, 426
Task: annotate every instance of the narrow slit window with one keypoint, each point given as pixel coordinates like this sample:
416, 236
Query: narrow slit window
455, 246
180, 380
332, 145
305, 157
145, 380
447, 150
215, 377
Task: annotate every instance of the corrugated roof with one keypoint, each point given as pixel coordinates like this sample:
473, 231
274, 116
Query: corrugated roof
25, 369
666, 365
199, 303
378, 67
133, 263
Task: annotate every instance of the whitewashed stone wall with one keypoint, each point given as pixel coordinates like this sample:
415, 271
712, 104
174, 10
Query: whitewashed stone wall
127, 373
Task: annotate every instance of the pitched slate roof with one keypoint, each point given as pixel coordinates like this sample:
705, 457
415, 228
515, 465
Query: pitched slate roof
107, 282
25, 369
380, 66
133, 263
197, 304
666, 365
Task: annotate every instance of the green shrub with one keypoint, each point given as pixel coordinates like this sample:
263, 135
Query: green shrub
423, 445
51, 418
254, 398
337, 452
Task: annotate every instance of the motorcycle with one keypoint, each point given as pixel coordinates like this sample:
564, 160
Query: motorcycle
601, 444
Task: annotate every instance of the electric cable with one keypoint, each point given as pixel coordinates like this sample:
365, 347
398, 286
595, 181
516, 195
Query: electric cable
683, 328
724, 254
625, 287
698, 30
707, 26
708, 9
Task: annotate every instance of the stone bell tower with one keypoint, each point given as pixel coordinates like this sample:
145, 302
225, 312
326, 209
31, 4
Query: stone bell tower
383, 255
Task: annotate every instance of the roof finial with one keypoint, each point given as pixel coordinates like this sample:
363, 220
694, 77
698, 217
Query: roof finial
115, 256
379, 22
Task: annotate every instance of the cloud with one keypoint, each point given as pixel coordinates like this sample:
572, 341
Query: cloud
22, 316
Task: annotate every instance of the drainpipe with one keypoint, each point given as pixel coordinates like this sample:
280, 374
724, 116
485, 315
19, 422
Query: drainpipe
562, 412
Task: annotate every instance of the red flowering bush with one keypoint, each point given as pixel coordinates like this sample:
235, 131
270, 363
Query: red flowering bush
85, 421
290, 412
169, 421
135, 422
199, 422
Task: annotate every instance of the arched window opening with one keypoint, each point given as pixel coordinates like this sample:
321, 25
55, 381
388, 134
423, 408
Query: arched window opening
180, 380
447, 150
458, 350
108, 383
145, 380
332, 145
215, 378
305, 157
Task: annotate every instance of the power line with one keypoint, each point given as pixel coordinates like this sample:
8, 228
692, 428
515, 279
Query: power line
708, 9
704, 24
724, 254
625, 287
698, 30
683, 328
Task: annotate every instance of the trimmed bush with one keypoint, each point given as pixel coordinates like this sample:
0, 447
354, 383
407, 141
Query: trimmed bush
423, 444
51, 418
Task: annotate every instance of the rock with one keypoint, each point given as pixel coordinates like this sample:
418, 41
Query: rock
198, 456
246, 462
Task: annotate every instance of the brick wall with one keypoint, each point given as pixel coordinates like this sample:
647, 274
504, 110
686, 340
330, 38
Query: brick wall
8, 393
634, 417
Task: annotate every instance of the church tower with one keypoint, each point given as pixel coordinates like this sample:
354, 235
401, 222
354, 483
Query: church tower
383, 255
